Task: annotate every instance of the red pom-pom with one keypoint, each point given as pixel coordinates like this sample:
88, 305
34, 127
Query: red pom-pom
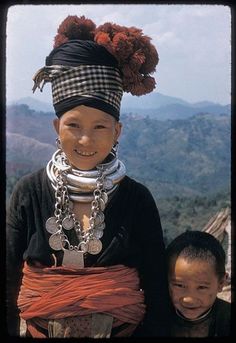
74, 27
136, 56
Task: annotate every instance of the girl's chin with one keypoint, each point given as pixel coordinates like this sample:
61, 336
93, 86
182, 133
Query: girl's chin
83, 167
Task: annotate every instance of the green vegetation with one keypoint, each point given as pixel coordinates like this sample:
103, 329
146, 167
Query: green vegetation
185, 163
179, 214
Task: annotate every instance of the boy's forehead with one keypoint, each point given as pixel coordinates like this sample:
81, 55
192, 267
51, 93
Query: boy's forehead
182, 267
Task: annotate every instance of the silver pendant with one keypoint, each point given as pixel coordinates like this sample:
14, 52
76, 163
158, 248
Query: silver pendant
73, 259
100, 226
108, 184
68, 223
51, 225
99, 219
83, 246
94, 246
105, 197
102, 204
97, 233
71, 205
55, 241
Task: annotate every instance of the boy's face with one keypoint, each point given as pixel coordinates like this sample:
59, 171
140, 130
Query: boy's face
193, 286
87, 136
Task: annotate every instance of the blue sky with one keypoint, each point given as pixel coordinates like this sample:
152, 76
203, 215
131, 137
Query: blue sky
193, 42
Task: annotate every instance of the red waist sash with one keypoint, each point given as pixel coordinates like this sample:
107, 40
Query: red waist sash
60, 292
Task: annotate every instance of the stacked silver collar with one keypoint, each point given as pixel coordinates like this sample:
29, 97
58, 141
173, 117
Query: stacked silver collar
83, 186
80, 183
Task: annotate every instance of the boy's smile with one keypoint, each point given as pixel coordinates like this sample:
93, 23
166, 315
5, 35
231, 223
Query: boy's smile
193, 286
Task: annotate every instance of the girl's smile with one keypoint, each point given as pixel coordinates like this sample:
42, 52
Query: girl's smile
87, 136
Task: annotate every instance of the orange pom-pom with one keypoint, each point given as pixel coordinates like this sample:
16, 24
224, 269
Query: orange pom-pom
136, 56
74, 27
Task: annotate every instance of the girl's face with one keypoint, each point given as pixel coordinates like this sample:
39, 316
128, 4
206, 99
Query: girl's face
193, 286
87, 136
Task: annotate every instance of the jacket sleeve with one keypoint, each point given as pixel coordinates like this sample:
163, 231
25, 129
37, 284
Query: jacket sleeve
152, 268
15, 246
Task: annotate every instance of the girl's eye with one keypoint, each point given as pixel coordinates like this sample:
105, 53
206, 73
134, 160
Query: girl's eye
73, 125
99, 127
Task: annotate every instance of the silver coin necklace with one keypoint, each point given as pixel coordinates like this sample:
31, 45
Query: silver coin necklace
64, 220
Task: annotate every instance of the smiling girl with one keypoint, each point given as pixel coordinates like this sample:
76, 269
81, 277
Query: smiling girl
85, 250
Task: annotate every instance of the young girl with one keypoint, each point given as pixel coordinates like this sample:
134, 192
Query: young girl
85, 251
196, 272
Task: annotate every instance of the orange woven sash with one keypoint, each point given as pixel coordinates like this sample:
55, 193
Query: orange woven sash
60, 292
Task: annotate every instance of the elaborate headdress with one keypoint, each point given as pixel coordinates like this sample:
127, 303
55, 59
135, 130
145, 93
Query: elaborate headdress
93, 65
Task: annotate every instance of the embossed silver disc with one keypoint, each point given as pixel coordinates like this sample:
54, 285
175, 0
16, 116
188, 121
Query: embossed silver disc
105, 197
94, 246
100, 226
99, 219
83, 246
102, 204
108, 184
97, 233
55, 241
68, 223
51, 225
71, 205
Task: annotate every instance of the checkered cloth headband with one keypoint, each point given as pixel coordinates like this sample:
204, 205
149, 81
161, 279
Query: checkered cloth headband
89, 81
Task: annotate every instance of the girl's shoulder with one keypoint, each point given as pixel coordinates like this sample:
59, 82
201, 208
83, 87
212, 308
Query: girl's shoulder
29, 184
138, 186
31, 179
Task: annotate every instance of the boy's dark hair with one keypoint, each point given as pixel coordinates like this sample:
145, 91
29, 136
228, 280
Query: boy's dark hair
198, 244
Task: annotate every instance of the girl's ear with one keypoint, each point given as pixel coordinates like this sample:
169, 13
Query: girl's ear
56, 123
118, 130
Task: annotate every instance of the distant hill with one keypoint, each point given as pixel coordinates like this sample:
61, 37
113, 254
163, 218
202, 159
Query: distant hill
154, 105
33, 104
187, 157
30, 123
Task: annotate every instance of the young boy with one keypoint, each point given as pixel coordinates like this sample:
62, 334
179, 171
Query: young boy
196, 273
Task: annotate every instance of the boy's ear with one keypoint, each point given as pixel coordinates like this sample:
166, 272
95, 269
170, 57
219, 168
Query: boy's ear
222, 282
56, 123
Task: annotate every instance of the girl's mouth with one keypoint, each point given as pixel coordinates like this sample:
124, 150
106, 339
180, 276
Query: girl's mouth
85, 153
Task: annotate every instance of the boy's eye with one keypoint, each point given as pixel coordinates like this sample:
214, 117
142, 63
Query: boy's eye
202, 287
179, 285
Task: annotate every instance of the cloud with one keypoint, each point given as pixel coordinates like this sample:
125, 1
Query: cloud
193, 43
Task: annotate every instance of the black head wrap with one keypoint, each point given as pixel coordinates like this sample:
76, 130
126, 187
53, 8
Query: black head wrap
83, 73
94, 65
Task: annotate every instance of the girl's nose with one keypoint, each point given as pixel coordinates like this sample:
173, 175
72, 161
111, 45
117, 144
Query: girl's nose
84, 139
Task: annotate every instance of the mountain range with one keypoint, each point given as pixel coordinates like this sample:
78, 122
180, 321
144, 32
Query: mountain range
153, 105
185, 157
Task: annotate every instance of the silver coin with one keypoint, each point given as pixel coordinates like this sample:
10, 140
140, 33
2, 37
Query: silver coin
100, 226
102, 204
97, 233
71, 205
68, 223
51, 225
94, 246
105, 197
99, 219
108, 184
55, 241
83, 246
